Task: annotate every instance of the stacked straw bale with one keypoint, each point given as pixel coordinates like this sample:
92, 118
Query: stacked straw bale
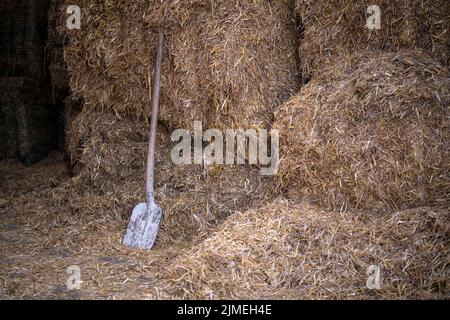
369, 131
338, 27
226, 63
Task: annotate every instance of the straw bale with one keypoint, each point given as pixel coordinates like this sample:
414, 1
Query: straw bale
226, 63
369, 131
337, 28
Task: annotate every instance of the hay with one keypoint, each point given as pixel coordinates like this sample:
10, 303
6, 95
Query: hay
286, 251
337, 28
226, 63
282, 250
17, 179
109, 157
369, 131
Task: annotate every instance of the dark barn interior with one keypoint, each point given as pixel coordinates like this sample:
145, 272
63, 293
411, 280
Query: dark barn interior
31, 97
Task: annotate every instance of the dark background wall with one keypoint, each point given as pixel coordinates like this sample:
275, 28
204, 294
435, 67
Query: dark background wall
29, 116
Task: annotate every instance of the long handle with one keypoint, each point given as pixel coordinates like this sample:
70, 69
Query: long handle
154, 123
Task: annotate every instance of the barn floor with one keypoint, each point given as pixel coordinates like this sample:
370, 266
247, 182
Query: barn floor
283, 252
38, 242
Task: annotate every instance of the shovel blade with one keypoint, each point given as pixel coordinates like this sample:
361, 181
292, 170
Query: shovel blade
143, 226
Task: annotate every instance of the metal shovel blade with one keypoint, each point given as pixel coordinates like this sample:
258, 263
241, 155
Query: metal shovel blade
143, 226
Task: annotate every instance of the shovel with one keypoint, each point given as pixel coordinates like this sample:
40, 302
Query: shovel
146, 217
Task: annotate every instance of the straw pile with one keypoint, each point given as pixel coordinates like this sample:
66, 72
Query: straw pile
335, 27
286, 250
369, 131
281, 250
227, 63
109, 157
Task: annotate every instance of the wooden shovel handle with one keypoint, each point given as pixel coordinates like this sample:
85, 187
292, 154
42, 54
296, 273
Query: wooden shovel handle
154, 121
